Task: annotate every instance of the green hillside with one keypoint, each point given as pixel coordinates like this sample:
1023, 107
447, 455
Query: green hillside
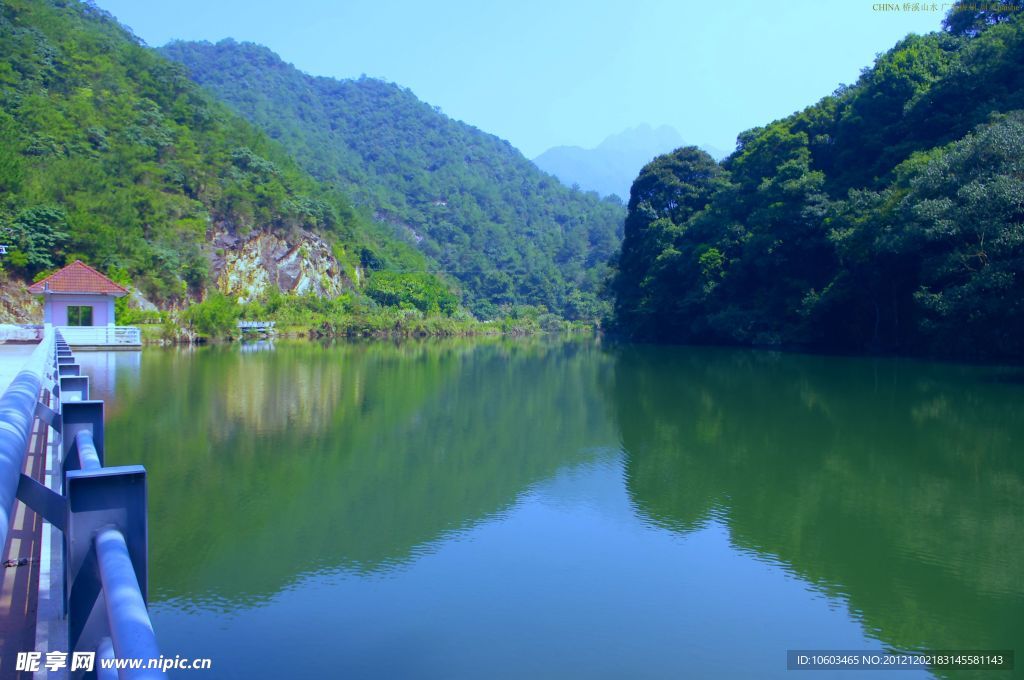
109, 153
889, 216
471, 202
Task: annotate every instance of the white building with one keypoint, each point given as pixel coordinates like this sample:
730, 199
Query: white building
79, 301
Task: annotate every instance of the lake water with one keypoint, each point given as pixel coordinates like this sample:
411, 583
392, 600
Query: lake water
529, 509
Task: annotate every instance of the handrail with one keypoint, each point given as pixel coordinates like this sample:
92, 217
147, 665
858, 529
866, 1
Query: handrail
90, 460
17, 414
131, 629
105, 652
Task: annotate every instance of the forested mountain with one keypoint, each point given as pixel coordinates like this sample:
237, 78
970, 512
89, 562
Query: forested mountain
610, 167
109, 153
471, 202
888, 216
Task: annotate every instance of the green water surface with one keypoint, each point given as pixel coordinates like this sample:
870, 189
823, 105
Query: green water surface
527, 509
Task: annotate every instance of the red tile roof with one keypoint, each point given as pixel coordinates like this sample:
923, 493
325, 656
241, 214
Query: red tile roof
77, 277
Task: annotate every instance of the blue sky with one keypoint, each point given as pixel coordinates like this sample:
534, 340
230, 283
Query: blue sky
541, 73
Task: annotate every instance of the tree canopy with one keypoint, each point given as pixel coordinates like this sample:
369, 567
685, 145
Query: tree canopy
888, 216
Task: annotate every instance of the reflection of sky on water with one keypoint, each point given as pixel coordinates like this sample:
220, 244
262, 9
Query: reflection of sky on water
568, 583
110, 371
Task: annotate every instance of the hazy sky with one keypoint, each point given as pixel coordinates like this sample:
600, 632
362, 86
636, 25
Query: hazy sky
541, 73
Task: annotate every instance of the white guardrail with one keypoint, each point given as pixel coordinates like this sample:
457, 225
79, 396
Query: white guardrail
101, 335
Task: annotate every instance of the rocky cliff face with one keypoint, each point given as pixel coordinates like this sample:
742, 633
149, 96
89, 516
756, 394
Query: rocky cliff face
247, 267
16, 304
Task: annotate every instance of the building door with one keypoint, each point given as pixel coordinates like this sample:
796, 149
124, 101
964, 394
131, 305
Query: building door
79, 315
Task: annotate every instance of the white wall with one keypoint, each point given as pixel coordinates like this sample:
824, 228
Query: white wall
55, 308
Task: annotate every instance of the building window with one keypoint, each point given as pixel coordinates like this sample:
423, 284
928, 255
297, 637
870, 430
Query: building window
79, 316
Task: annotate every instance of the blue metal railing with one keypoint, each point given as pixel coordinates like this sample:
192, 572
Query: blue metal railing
101, 512
17, 415
130, 627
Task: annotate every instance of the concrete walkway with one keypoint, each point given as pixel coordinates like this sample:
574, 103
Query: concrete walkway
12, 359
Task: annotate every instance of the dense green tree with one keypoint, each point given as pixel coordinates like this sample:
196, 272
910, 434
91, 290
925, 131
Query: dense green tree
38, 235
214, 317
669, 191
965, 217
405, 290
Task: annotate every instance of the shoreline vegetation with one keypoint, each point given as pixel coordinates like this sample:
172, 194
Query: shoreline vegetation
215, 320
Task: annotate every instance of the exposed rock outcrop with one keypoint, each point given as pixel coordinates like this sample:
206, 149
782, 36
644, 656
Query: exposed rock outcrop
16, 304
136, 300
246, 267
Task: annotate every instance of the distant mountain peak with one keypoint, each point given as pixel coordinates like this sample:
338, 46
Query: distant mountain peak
643, 136
611, 166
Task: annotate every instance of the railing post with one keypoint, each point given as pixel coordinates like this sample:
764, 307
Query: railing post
101, 500
74, 388
78, 416
69, 369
